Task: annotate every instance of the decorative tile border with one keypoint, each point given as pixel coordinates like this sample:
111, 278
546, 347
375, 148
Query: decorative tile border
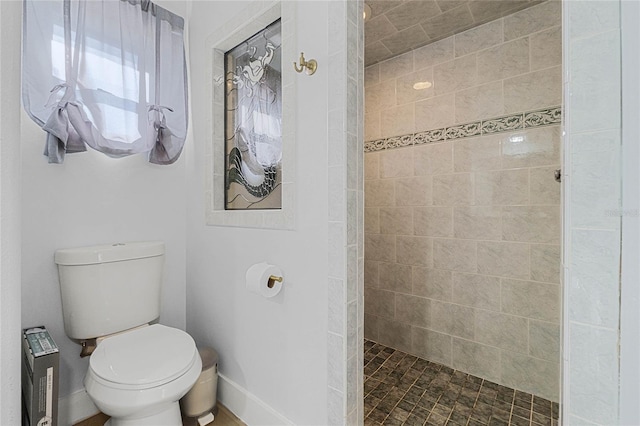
543, 117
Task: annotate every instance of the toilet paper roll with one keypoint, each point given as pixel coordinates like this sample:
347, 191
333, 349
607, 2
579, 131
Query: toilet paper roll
259, 279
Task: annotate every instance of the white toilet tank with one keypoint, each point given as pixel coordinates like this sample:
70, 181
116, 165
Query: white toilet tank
109, 288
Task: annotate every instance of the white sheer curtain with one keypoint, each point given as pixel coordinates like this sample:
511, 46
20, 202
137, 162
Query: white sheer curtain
110, 74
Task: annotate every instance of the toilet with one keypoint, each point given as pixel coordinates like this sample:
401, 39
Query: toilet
138, 369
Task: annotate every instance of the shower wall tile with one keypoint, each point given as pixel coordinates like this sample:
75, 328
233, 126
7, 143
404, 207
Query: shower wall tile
413, 191
394, 277
534, 90
504, 61
478, 291
433, 283
545, 263
431, 345
531, 299
477, 222
546, 48
503, 259
433, 159
463, 249
477, 359
503, 331
413, 310
479, 38
433, 221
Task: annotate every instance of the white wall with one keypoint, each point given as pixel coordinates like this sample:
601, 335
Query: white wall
93, 199
9, 213
275, 349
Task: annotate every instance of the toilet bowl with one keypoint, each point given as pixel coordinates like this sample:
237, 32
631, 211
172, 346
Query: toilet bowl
138, 377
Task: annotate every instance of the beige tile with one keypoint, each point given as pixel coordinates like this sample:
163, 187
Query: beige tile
413, 191
454, 255
531, 299
479, 38
415, 251
534, 224
413, 310
546, 48
371, 75
379, 193
432, 283
371, 327
371, 275
433, 159
478, 291
537, 89
395, 277
543, 188
449, 4
477, 154
405, 40
413, 12
380, 247
396, 220
503, 259
451, 21
396, 163
379, 302
372, 126
532, 147
405, 92
375, 52
503, 331
455, 75
479, 102
431, 345
452, 319
474, 358
433, 54
394, 334
371, 165
380, 96
397, 121
396, 67
372, 220
452, 190
545, 263
485, 10
433, 221
537, 18
477, 222
434, 113
503, 61
506, 187
378, 28
531, 374
544, 340
380, 7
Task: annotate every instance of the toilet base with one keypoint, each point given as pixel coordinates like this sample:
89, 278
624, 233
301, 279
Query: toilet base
169, 417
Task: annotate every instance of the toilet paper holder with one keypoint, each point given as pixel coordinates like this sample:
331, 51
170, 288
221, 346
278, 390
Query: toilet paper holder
272, 280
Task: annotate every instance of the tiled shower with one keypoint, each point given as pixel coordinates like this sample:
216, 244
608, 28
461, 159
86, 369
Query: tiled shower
462, 206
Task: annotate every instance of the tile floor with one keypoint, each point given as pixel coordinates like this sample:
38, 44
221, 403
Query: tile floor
401, 389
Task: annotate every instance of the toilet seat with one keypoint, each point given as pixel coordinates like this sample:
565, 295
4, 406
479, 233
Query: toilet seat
143, 358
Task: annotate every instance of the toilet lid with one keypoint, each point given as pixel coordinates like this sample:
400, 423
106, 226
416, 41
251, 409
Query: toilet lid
148, 356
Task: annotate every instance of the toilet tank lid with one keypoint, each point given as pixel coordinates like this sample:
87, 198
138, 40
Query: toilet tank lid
109, 253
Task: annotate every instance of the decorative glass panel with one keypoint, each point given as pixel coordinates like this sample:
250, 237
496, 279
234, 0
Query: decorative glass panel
253, 122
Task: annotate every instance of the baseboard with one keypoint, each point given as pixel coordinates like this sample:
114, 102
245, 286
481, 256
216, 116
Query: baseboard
75, 408
246, 406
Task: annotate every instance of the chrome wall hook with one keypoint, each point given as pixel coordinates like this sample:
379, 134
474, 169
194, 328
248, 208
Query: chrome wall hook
311, 65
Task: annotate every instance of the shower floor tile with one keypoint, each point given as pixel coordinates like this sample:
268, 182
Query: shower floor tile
401, 389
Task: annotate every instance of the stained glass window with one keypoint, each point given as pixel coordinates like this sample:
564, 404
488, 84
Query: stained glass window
253, 122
